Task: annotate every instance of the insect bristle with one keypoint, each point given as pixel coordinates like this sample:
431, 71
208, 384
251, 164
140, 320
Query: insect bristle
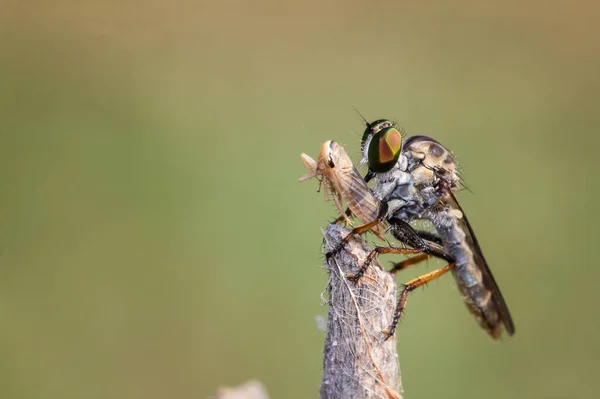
362, 117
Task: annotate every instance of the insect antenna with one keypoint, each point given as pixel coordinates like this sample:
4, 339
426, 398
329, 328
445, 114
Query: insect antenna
362, 117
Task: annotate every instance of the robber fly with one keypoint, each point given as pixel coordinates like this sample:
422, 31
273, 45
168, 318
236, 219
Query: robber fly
429, 194
340, 179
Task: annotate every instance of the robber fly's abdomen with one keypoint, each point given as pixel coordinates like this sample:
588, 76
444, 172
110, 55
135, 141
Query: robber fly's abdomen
467, 272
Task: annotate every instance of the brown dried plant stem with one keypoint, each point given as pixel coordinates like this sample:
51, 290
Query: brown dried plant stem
358, 362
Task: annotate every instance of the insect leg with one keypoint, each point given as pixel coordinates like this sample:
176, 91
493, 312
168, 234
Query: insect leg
410, 286
361, 229
342, 218
405, 264
406, 234
429, 236
380, 250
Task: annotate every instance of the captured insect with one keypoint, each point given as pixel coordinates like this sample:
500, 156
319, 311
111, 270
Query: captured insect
339, 177
428, 193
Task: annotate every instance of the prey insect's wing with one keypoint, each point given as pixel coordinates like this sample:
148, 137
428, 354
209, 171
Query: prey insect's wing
362, 202
488, 278
360, 195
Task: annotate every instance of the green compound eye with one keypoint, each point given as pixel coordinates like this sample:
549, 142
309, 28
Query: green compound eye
373, 128
384, 150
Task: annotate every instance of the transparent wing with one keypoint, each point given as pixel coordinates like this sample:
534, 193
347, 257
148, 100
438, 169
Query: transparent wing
488, 279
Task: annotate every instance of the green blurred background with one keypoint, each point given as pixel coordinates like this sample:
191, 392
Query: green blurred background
155, 243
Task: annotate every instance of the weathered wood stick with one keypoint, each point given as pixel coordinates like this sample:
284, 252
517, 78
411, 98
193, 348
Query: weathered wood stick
358, 361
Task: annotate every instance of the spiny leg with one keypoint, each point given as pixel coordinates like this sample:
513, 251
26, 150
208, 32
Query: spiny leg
357, 230
429, 236
406, 234
410, 286
405, 264
380, 250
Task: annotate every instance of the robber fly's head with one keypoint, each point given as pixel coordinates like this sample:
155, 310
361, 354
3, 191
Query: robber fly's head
430, 162
381, 145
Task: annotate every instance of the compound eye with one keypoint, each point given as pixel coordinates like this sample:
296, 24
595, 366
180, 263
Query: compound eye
384, 150
374, 128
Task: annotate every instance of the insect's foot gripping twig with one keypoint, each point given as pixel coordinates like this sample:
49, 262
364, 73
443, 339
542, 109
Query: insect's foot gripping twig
340, 247
388, 332
355, 231
354, 277
380, 250
410, 286
333, 252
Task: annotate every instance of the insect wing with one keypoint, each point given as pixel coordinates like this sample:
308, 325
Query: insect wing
362, 202
488, 279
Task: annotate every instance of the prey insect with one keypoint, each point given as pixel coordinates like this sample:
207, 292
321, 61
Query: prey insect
428, 194
339, 177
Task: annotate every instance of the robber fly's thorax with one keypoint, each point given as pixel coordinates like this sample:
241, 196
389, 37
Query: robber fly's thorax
429, 161
398, 189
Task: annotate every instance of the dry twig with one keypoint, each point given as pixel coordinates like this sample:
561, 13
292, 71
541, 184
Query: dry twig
358, 363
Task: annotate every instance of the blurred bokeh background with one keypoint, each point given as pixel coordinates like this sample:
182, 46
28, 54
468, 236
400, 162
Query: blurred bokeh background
155, 243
